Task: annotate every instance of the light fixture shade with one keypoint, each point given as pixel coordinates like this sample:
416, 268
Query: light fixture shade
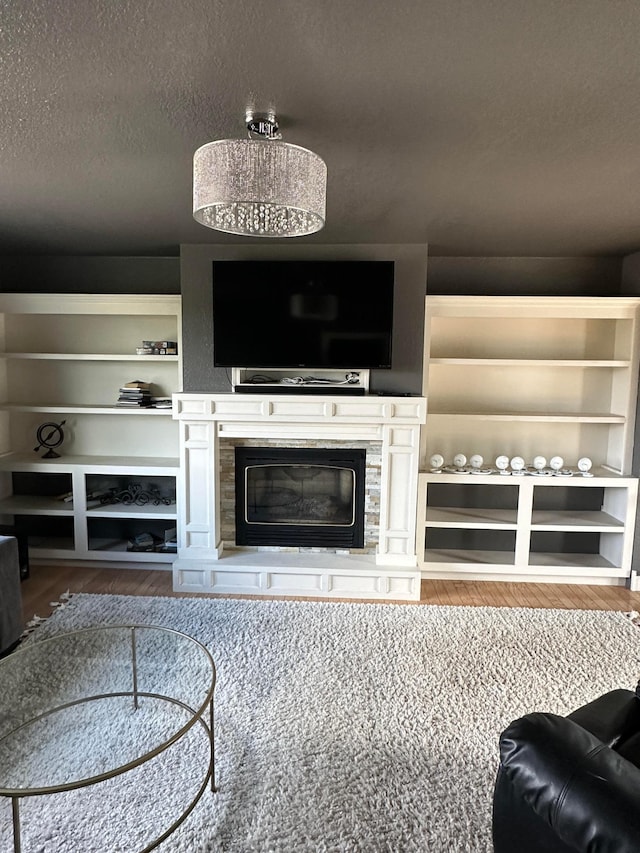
259, 187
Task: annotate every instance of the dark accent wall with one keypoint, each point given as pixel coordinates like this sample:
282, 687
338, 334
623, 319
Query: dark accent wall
631, 287
525, 276
89, 274
408, 331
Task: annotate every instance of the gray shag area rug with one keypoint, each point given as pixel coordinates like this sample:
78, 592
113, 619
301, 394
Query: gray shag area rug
339, 727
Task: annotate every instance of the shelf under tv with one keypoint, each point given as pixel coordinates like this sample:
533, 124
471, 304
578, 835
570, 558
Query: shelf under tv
278, 380
278, 388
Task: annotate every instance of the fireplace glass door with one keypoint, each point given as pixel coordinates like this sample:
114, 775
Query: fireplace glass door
304, 497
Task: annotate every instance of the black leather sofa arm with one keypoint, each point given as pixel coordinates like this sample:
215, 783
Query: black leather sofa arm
578, 787
612, 717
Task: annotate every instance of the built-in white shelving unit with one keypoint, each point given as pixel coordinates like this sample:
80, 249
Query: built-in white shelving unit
63, 357
529, 376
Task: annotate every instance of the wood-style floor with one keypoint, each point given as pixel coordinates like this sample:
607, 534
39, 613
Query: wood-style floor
47, 584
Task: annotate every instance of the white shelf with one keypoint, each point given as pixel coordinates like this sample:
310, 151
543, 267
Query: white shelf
114, 549
73, 408
501, 519
458, 558
104, 464
531, 362
69, 356
585, 568
578, 561
62, 354
242, 376
34, 505
149, 510
574, 521
535, 416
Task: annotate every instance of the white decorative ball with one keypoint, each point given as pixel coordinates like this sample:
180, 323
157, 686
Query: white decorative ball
476, 461
459, 460
556, 462
517, 463
539, 463
437, 460
584, 464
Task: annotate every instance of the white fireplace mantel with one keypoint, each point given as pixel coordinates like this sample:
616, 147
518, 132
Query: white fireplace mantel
202, 565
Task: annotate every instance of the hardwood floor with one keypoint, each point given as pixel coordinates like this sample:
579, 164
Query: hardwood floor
47, 584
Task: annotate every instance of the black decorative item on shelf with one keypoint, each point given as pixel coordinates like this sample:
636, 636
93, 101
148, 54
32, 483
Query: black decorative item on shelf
50, 435
135, 494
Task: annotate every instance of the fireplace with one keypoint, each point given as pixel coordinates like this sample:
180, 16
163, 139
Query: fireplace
213, 425
311, 497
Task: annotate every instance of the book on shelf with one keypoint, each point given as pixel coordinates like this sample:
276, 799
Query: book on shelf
136, 385
135, 394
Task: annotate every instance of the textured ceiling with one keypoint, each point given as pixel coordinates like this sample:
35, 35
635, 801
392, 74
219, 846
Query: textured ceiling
480, 127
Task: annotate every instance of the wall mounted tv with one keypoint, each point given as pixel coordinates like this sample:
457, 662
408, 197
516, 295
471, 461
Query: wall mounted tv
303, 314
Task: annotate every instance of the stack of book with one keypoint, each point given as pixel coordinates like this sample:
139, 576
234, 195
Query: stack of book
135, 395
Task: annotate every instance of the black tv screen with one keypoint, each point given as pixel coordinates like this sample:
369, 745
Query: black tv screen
303, 314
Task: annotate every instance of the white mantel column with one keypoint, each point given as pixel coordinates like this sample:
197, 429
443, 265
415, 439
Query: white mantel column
398, 495
199, 491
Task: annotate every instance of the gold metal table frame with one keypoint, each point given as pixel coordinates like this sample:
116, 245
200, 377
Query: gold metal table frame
202, 714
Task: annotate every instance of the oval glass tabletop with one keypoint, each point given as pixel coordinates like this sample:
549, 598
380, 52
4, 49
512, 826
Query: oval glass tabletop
85, 706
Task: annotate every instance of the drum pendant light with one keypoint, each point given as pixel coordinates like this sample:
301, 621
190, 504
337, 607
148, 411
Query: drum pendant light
259, 186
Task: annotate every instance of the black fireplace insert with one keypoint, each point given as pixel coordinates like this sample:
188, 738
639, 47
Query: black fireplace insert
305, 497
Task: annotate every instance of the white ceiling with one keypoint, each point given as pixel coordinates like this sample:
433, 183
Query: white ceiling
480, 127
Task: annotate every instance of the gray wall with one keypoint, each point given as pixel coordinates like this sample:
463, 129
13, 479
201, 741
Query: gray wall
197, 329
94, 274
525, 276
631, 275
631, 287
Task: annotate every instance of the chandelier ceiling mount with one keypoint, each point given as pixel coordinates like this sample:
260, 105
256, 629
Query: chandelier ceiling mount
264, 125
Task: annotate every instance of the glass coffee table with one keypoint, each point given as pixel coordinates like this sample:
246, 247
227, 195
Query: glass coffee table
88, 707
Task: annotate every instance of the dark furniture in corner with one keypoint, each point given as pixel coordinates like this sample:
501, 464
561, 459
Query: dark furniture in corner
569, 784
10, 594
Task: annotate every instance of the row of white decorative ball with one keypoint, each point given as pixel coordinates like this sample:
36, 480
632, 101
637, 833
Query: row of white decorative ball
516, 464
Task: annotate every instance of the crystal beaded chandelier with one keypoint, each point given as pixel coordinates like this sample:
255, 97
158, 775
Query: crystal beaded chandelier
260, 186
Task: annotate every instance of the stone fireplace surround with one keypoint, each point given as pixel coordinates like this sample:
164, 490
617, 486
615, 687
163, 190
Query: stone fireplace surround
205, 564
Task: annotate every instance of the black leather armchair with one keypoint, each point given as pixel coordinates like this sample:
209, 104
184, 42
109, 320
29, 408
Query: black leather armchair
569, 784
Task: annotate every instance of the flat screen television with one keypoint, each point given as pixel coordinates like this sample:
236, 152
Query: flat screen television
303, 314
